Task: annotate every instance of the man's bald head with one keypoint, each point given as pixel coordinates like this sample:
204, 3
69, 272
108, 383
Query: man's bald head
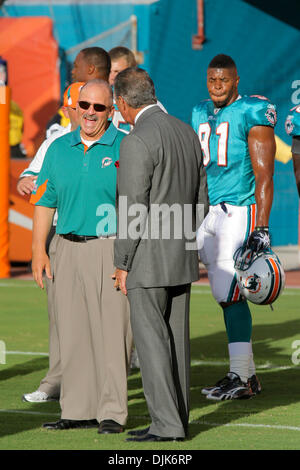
94, 84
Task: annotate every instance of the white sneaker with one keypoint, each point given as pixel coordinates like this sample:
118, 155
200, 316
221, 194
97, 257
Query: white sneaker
37, 397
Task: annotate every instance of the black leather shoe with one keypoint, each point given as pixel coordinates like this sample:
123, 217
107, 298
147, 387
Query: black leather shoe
139, 432
153, 438
63, 424
108, 426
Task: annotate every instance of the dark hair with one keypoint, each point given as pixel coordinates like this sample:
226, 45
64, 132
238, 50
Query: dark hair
136, 87
123, 52
222, 61
99, 58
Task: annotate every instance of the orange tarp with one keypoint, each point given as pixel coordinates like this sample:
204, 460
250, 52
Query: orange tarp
20, 216
31, 52
4, 180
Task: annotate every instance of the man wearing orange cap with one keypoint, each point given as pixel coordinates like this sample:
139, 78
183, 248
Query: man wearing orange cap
90, 63
49, 388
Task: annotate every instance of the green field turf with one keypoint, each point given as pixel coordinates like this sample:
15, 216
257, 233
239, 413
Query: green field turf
268, 421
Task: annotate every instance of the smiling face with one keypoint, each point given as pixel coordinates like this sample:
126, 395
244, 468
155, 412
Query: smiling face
222, 85
94, 123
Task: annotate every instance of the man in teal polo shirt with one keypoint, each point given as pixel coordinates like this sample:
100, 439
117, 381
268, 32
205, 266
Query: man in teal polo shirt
78, 178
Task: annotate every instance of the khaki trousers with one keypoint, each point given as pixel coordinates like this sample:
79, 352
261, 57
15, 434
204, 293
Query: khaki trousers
51, 383
94, 332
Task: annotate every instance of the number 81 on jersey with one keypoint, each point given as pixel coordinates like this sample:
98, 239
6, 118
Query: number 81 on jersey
222, 132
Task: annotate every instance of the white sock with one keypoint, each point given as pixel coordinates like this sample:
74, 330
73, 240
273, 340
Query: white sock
239, 356
252, 368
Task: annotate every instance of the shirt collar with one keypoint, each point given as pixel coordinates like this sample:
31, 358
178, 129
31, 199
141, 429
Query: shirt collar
107, 138
142, 111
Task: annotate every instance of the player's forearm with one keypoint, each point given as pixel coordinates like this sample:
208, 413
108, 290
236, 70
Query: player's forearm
264, 190
42, 221
262, 148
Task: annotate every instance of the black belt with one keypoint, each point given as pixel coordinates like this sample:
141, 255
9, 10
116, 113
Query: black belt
224, 208
78, 238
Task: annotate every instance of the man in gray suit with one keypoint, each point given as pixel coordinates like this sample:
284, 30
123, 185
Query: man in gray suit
161, 178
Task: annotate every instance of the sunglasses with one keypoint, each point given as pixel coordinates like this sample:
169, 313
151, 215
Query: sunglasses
97, 106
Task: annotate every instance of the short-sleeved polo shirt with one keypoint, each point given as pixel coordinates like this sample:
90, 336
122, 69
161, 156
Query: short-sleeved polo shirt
81, 182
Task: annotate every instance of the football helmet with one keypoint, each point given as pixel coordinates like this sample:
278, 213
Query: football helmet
260, 276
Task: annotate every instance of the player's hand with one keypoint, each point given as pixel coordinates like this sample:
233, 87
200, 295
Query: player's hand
259, 239
120, 277
26, 184
40, 262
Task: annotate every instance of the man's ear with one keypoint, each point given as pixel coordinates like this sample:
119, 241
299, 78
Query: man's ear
112, 112
121, 99
65, 111
91, 69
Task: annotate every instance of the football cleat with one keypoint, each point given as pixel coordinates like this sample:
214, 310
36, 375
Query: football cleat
260, 276
254, 385
207, 390
233, 389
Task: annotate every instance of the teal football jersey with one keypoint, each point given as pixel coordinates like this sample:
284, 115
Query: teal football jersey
118, 121
223, 134
292, 123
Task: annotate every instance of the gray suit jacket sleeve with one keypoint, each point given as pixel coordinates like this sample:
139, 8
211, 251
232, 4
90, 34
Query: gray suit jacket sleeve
135, 172
203, 200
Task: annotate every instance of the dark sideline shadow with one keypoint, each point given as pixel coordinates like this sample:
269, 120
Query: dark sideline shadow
24, 368
279, 387
13, 423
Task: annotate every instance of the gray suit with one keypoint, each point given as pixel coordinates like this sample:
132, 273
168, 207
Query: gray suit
161, 164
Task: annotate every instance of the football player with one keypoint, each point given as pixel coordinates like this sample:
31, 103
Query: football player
292, 126
237, 139
122, 58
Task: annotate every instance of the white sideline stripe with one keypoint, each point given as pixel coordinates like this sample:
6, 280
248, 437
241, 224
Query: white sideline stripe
248, 425
29, 412
203, 423
7, 284
27, 353
266, 366
194, 289
206, 291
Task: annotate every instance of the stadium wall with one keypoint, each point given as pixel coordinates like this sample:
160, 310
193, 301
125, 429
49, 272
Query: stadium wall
262, 45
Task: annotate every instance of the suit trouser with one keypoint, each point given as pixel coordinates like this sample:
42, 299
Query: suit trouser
51, 383
160, 324
94, 332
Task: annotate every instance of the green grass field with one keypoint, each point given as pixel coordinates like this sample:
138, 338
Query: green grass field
269, 421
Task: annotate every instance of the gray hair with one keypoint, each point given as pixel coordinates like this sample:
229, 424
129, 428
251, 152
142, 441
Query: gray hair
136, 87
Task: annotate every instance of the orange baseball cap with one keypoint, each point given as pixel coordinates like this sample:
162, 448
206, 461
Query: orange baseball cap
71, 94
